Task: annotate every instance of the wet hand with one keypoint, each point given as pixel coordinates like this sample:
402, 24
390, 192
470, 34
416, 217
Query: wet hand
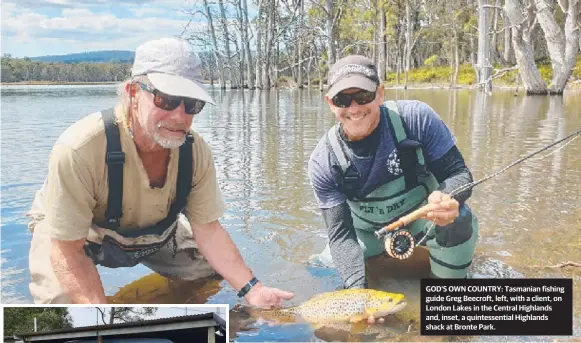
267, 297
444, 209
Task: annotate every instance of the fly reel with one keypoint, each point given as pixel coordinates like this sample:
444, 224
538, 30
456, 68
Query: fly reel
400, 244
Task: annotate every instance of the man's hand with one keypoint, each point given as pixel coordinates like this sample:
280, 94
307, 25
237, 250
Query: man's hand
444, 209
267, 297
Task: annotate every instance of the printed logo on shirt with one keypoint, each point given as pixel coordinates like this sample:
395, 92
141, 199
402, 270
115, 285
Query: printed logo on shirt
394, 164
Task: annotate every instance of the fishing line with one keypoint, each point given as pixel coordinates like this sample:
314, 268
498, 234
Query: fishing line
520, 160
473, 184
556, 150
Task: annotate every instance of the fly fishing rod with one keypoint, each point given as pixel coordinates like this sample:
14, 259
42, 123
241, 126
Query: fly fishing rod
399, 242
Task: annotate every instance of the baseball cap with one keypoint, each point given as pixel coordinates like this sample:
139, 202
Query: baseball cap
172, 67
353, 71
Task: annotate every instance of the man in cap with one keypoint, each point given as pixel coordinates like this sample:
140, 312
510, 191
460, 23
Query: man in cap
136, 184
380, 162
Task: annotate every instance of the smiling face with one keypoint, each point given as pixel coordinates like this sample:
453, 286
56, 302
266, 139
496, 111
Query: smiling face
167, 129
358, 120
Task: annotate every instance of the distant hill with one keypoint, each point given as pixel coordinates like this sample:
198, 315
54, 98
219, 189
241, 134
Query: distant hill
105, 56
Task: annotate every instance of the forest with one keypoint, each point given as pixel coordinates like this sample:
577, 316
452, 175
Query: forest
261, 44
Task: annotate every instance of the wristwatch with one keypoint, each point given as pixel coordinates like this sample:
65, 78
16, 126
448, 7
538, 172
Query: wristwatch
247, 287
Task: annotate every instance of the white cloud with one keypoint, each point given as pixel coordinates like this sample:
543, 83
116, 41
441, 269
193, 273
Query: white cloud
37, 4
42, 27
9, 10
168, 7
89, 29
144, 11
59, 2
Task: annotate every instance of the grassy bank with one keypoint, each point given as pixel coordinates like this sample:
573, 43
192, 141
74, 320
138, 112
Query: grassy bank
440, 76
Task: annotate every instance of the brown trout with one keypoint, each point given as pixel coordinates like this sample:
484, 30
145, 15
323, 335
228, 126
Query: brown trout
344, 306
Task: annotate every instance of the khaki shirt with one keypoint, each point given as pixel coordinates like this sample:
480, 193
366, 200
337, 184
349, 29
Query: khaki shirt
75, 191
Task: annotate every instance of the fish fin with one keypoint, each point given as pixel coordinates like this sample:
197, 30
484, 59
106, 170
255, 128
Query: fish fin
333, 294
359, 327
358, 318
321, 296
277, 316
317, 326
369, 312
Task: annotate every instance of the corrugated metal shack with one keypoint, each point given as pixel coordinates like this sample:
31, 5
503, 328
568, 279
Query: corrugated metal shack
207, 327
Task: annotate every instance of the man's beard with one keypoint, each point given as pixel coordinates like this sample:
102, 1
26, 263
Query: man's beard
168, 143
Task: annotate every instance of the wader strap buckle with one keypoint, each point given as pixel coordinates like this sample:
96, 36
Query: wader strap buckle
115, 157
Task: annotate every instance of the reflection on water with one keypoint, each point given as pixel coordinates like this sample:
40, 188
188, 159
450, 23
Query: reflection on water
261, 141
157, 289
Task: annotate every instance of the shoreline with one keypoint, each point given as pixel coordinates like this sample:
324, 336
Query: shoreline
53, 83
574, 84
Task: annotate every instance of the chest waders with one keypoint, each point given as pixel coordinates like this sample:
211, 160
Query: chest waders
451, 247
116, 249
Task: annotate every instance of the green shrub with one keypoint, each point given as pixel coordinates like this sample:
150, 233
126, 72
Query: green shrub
509, 78
390, 77
431, 61
546, 72
315, 81
421, 75
546, 60
467, 75
285, 81
577, 70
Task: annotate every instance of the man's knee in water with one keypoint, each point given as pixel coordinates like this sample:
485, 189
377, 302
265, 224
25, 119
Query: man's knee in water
460, 231
452, 250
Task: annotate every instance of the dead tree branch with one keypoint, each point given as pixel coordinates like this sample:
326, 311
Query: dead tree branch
560, 265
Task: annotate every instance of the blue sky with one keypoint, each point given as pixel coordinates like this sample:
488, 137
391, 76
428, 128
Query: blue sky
56, 27
87, 316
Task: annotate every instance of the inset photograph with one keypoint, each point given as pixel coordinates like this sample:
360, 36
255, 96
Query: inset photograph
116, 324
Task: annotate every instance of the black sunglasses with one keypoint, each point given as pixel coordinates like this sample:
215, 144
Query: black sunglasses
362, 98
170, 102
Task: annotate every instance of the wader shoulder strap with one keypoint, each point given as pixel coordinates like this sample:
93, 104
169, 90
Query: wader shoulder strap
333, 136
185, 176
394, 121
349, 174
183, 187
400, 130
115, 158
409, 151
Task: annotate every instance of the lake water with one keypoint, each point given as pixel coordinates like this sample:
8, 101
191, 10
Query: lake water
530, 216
